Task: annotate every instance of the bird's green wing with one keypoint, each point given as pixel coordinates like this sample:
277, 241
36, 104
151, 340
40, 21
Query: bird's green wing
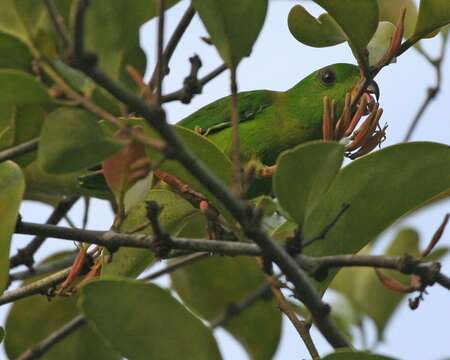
217, 115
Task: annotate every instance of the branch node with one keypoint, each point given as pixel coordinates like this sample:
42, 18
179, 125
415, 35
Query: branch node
407, 264
162, 243
84, 61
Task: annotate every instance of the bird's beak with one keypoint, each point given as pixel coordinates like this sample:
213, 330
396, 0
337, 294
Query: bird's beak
373, 88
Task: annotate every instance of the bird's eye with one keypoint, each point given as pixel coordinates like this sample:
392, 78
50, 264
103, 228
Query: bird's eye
327, 77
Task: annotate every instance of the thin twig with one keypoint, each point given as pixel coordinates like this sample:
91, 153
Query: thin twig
234, 309
176, 265
18, 150
25, 256
432, 92
59, 25
185, 94
323, 233
173, 43
428, 271
87, 206
300, 325
43, 269
54, 338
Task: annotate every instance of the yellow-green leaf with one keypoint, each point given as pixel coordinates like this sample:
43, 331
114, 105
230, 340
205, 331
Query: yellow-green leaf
433, 14
390, 11
380, 42
12, 187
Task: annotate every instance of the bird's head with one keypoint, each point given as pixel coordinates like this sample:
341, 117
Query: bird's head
342, 98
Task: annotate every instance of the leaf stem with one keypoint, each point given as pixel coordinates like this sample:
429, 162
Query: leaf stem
18, 150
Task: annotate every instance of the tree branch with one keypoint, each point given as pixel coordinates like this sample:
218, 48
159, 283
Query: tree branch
428, 271
54, 338
112, 240
25, 256
36, 287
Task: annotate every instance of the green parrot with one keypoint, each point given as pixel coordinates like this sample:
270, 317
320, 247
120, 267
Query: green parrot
271, 121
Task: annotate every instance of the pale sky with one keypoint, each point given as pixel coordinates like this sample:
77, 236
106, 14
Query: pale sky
278, 61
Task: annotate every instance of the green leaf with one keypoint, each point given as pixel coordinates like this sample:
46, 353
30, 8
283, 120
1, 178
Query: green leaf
158, 327
71, 140
224, 20
21, 17
18, 87
390, 11
379, 189
209, 286
175, 213
12, 187
32, 319
115, 37
14, 53
380, 42
358, 33
346, 354
317, 32
318, 163
2, 334
366, 292
433, 14
19, 124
